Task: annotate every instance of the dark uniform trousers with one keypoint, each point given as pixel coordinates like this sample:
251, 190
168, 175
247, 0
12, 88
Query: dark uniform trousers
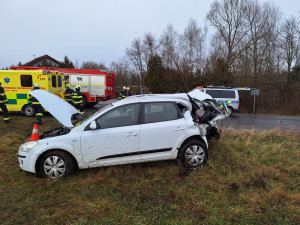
36, 105
38, 112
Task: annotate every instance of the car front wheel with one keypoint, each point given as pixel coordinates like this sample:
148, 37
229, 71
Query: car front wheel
194, 154
56, 164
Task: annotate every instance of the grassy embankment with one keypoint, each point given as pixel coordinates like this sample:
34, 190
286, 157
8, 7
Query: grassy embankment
251, 178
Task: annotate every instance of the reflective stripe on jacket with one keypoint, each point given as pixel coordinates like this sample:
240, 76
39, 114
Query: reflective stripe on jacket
68, 94
32, 100
77, 97
3, 98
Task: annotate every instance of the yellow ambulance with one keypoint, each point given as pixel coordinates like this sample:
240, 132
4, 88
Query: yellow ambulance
18, 83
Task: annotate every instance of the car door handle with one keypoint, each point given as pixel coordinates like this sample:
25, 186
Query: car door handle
130, 134
179, 129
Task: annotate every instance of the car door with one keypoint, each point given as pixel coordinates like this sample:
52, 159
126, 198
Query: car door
116, 139
163, 127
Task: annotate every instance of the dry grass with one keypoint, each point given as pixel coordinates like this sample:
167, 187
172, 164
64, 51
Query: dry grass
251, 178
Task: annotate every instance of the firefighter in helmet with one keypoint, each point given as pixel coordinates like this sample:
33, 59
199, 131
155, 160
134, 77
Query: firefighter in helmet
123, 94
77, 99
68, 94
36, 105
3, 102
128, 92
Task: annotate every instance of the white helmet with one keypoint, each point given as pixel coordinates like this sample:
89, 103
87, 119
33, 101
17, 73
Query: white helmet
77, 86
124, 87
36, 85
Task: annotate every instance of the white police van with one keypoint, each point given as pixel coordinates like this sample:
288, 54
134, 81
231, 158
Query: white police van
230, 96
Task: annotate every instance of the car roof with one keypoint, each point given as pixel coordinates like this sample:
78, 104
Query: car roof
181, 97
222, 89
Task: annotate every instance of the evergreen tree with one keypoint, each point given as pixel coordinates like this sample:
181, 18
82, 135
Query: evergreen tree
154, 76
295, 75
67, 63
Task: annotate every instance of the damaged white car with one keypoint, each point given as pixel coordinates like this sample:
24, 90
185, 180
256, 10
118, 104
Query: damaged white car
134, 130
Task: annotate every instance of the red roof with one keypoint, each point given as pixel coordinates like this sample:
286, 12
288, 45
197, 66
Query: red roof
41, 58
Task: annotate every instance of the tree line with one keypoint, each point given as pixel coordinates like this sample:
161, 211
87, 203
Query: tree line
249, 44
252, 45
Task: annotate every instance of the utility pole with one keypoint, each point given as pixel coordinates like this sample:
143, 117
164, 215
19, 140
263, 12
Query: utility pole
254, 92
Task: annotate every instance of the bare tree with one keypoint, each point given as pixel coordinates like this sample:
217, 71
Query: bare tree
190, 60
191, 46
168, 45
259, 43
134, 60
150, 47
93, 65
123, 76
229, 18
289, 41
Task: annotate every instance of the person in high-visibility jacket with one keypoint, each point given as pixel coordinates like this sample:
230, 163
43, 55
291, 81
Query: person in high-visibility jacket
128, 92
3, 102
36, 105
78, 99
123, 94
68, 94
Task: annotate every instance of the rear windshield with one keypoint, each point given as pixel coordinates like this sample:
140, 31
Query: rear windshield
221, 93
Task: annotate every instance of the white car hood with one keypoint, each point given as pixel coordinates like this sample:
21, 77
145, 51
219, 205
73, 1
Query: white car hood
55, 105
197, 94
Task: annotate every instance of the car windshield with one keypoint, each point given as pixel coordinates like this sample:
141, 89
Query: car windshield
80, 119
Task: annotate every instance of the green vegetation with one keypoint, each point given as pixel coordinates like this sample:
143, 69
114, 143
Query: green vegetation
251, 178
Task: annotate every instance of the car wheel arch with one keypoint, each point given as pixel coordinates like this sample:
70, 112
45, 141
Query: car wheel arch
37, 163
191, 138
231, 109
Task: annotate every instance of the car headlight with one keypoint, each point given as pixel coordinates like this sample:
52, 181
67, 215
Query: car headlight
26, 147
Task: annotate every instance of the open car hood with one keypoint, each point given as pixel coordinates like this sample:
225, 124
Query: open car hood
55, 105
197, 94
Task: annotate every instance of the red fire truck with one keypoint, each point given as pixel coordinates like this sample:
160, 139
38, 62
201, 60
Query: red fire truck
96, 85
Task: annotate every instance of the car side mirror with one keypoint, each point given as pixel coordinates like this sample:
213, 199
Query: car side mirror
93, 125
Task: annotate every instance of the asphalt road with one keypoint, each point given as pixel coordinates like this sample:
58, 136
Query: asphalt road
248, 121
262, 122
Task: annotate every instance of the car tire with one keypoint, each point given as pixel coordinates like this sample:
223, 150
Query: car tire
194, 154
28, 110
230, 109
56, 164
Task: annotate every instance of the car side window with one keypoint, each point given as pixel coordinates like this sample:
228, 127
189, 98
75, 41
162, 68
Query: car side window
125, 115
228, 94
160, 111
215, 93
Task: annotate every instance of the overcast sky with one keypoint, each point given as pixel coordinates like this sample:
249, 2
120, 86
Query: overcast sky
93, 30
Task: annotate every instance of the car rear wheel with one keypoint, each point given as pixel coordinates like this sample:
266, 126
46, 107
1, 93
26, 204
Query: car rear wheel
56, 164
194, 154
